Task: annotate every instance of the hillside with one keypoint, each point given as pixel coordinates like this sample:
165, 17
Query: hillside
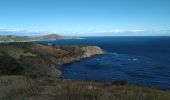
14, 38
18, 58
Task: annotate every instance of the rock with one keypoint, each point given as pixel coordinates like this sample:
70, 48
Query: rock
91, 51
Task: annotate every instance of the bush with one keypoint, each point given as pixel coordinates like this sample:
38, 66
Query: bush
120, 82
8, 65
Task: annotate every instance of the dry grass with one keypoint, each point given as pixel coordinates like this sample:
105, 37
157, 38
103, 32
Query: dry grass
21, 88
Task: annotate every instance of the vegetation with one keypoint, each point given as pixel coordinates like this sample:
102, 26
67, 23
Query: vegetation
28, 71
120, 82
9, 65
22, 88
14, 38
35, 60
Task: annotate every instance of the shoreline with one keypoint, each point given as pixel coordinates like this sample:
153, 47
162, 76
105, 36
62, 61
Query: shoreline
34, 73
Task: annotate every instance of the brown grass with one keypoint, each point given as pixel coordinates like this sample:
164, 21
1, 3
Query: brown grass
21, 88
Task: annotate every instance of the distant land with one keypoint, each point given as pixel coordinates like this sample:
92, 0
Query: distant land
15, 38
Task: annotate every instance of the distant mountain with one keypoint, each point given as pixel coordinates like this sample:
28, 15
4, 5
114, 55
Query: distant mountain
50, 37
14, 38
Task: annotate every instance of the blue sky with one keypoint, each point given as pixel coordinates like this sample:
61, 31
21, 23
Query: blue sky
86, 17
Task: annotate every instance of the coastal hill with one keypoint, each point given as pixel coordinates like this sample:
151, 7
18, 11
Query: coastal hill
15, 38
19, 57
50, 37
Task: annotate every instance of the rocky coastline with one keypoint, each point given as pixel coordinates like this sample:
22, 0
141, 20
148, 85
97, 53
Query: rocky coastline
40, 59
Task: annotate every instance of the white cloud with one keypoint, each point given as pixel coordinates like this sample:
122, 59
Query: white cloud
114, 32
14, 31
119, 31
124, 32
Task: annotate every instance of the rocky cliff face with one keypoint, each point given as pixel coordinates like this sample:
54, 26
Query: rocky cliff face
91, 50
78, 52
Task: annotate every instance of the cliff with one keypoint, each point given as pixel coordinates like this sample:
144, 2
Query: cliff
91, 50
78, 52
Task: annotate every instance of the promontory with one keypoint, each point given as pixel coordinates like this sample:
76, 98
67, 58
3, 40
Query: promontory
40, 59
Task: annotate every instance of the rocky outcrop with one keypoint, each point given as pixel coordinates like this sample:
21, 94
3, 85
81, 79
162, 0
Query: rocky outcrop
77, 52
91, 50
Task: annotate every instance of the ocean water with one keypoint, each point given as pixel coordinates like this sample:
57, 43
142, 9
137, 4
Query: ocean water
140, 60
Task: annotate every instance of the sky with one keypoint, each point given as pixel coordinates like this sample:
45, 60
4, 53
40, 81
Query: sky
85, 17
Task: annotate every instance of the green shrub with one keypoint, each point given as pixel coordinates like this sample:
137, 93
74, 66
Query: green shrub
120, 82
9, 66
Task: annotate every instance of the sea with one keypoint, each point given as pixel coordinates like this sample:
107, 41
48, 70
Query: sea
143, 60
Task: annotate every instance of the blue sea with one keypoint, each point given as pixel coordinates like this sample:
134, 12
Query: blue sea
140, 60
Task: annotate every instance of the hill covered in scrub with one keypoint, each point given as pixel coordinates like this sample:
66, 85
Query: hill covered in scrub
30, 71
15, 38
23, 88
25, 58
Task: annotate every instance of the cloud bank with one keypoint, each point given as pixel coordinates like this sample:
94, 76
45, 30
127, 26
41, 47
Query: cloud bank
121, 32
114, 32
5, 31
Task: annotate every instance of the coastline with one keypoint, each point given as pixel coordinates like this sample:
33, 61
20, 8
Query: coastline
35, 73
26, 53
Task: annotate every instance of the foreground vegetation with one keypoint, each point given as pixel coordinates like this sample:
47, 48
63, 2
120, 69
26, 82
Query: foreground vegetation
22, 88
28, 72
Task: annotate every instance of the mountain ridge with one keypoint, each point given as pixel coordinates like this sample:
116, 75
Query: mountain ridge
16, 38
